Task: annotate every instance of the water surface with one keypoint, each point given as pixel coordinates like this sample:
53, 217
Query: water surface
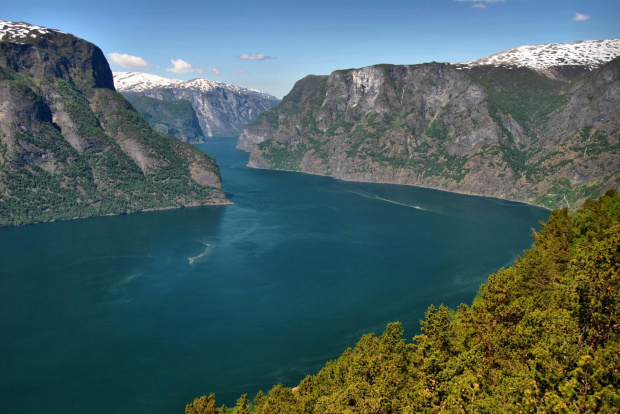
144, 312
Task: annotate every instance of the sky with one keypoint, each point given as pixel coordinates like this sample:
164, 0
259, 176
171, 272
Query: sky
270, 44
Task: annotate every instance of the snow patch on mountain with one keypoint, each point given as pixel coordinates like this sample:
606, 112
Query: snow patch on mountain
589, 53
140, 82
12, 31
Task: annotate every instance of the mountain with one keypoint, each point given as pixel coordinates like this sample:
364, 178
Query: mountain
265, 125
176, 118
555, 60
529, 130
222, 109
71, 146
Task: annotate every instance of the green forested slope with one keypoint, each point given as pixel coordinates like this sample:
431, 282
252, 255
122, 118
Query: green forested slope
71, 146
540, 336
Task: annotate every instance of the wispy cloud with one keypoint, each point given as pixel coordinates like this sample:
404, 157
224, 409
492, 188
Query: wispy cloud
240, 72
128, 61
481, 4
578, 17
215, 70
254, 56
180, 66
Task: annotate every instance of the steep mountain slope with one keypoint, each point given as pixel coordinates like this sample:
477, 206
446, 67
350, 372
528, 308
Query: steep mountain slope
222, 109
265, 125
506, 131
176, 118
71, 146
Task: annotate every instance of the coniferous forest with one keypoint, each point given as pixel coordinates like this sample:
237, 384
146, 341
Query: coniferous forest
540, 336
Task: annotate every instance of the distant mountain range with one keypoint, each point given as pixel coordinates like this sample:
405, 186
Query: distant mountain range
221, 109
539, 124
71, 146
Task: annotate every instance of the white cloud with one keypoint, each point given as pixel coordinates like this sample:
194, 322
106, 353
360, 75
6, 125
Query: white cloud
479, 6
128, 61
578, 17
215, 70
254, 56
180, 66
240, 72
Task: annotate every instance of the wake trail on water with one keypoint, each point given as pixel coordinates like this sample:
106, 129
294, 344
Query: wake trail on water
208, 249
376, 197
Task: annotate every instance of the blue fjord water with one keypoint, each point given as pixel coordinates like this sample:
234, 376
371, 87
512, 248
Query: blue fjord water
144, 312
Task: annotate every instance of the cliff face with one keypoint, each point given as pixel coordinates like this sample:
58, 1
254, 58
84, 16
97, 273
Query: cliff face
71, 146
222, 110
176, 118
265, 125
505, 132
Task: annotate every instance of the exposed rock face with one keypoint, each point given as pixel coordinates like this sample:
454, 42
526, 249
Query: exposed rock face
222, 110
265, 125
176, 118
71, 146
503, 132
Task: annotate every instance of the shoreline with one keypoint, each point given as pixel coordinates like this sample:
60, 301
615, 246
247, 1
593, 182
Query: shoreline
408, 185
147, 210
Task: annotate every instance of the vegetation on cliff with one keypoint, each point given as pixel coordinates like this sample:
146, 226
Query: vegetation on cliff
176, 118
541, 336
503, 132
71, 146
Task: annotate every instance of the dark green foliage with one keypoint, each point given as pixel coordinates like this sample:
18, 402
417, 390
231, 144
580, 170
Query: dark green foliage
541, 336
281, 157
47, 179
520, 92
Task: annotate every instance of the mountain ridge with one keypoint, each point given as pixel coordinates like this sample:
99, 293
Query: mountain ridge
498, 131
222, 109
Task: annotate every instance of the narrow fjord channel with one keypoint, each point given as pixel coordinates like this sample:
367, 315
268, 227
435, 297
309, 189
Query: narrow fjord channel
144, 312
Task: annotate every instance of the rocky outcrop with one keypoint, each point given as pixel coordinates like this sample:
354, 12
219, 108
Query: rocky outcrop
222, 110
505, 132
71, 146
176, 118
265, 125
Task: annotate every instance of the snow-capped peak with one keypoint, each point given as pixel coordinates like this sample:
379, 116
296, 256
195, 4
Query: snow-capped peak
140, 82
21, 31
589, 53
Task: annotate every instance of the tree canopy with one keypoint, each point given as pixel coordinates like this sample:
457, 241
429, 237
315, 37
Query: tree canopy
540, 336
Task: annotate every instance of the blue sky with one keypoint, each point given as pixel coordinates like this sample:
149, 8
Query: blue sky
269, 45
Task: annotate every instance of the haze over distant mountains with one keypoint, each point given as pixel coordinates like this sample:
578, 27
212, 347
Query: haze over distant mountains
221, 109
539, 124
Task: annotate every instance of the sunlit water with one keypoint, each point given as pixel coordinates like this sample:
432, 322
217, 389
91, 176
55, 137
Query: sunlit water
144, 312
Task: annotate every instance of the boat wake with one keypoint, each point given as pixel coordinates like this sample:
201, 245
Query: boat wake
376, 197
205, 253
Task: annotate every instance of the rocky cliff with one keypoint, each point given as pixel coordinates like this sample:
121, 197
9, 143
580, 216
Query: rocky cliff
504, 130
71, 146
222, 109
265, 125
176, 118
